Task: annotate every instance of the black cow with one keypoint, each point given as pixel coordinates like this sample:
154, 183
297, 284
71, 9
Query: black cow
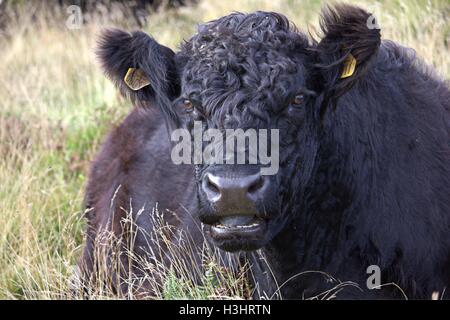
364, 151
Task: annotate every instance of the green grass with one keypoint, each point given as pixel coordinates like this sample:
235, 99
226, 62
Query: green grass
56, 107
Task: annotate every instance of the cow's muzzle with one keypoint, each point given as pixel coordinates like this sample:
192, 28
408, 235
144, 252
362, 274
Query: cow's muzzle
236, 223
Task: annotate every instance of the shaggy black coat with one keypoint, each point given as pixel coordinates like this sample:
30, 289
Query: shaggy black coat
364, 173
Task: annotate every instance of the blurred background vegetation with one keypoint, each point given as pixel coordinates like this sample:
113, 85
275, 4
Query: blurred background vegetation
56, 106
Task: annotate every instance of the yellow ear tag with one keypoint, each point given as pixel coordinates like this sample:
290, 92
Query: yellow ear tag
349, 66
136, 79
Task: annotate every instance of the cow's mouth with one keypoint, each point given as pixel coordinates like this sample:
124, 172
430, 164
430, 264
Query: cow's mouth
237, 224
238, 232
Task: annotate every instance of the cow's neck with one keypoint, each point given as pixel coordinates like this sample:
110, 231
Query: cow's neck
297, 258
314, 231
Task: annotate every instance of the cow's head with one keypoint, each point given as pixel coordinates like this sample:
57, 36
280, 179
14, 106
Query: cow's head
247, 71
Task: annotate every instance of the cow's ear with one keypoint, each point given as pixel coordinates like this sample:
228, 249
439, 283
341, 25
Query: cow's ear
141, 68
350, 41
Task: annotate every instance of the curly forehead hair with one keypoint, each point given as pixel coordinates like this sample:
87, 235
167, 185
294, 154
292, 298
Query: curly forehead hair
257, 52
256, 27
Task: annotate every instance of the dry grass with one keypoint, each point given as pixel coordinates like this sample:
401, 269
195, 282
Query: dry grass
56, 105
173, 268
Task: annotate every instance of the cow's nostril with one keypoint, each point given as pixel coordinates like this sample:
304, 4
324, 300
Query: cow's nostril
256, 185
211, 188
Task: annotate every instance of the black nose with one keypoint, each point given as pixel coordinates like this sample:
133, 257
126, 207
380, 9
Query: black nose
234, 195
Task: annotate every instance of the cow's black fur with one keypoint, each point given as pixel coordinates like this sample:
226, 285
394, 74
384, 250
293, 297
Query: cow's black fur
364, 173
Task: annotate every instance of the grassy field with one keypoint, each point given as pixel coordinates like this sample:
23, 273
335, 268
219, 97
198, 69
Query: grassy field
56, 106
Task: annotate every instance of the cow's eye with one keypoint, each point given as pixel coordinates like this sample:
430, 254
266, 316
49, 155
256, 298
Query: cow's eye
188, 104
298, 100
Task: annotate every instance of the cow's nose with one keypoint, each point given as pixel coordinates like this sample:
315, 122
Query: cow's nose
234, 195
